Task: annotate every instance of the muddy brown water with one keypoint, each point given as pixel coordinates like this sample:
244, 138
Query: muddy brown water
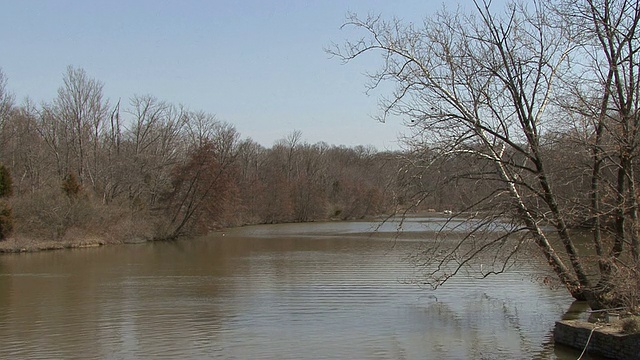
293, 291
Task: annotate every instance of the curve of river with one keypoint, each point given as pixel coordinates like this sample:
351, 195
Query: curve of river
294, 291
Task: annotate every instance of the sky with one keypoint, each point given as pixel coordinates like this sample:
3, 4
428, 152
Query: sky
258, 65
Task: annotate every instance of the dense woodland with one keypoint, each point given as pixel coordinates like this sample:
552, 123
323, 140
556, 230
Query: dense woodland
84, 165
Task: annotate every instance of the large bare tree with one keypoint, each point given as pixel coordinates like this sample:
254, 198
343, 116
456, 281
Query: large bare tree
80, 112
6, 99
480, 89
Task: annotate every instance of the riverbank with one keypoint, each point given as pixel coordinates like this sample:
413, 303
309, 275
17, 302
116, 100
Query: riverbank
23, 245
77, 238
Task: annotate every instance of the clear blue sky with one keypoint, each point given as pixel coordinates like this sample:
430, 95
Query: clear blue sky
259, 65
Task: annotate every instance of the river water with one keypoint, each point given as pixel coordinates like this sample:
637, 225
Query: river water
294, 291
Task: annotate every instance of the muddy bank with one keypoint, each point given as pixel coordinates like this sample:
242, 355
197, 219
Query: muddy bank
20, 245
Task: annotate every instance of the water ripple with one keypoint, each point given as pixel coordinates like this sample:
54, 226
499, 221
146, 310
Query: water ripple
242, 297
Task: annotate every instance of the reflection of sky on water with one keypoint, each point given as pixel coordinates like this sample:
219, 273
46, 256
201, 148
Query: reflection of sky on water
250, 295
390, 227
510, 316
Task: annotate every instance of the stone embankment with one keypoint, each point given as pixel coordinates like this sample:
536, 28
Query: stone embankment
600, 339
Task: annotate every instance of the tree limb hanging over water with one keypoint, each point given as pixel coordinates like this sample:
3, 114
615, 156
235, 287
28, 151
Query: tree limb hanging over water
489, 97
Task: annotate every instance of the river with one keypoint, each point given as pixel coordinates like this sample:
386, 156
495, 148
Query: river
292, 291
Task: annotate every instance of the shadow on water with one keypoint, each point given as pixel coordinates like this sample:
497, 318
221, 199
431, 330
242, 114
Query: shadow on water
577, 310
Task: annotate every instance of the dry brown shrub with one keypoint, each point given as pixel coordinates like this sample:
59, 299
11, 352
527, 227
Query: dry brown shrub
631, 325
49, 214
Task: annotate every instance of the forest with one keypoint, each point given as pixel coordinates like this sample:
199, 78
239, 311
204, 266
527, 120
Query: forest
82, 165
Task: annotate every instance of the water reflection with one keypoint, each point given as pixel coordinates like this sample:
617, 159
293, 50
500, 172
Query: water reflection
310, 294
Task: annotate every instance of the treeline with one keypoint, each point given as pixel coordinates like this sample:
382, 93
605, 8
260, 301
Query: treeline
82, 165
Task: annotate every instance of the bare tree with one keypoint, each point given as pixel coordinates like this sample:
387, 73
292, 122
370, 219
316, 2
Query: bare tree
52, 131
81, 111
479, 87
6, 99
31, 165
607, 97
154, 144
200, 127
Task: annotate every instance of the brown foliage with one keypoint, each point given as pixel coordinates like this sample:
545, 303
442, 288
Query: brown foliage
6, 220
202, 189
71, 186
6, 183
631, 325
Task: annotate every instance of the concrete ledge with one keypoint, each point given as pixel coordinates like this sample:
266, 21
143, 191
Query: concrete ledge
605, 341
